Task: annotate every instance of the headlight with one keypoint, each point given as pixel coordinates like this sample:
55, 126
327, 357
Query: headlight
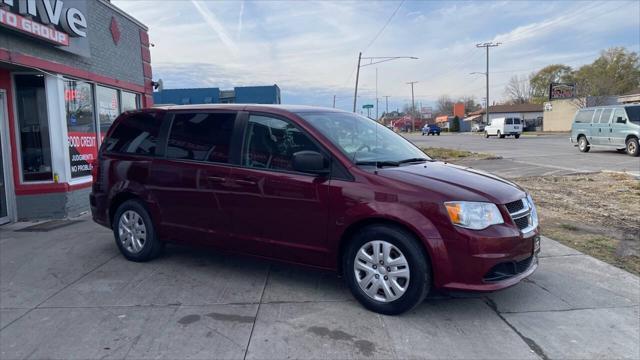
473, 215
534, 212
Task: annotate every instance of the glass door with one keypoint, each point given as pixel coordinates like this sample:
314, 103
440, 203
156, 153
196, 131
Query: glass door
4, 196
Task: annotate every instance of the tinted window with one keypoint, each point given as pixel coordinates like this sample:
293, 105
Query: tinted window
137, 134
509, 121
606, 114
634, 114
201, 137
270, 143
516, 121
584, 116
596, 117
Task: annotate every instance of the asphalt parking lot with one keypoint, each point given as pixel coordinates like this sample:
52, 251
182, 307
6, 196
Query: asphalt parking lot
532, 155
69, 294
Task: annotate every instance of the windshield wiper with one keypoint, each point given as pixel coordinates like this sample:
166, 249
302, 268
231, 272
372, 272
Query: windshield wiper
412, 160
378, 163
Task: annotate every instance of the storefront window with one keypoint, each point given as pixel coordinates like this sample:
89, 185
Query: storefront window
81, 127
129, 101
33, 126
108, 108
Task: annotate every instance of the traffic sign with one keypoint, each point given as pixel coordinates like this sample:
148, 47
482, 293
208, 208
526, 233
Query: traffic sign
368, 106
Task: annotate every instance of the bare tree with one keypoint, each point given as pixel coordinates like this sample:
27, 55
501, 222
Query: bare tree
518, 90
444, 105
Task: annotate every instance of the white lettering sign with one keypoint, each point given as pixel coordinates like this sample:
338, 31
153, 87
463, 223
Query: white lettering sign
51, 12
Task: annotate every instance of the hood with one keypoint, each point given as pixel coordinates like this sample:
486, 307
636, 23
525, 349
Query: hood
455, 182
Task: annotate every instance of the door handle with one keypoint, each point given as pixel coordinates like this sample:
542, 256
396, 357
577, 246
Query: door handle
247, 181
216, 179
610, 130
600, 130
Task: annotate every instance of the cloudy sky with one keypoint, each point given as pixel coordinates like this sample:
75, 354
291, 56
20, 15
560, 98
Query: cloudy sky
310, 49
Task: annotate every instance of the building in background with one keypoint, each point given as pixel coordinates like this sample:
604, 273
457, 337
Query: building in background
61, 86
558, 114
239, 95
530, 113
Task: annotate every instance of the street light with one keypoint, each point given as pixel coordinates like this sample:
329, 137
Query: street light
372, 61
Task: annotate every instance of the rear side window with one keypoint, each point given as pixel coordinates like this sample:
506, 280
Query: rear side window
201, 137
509, 121
584, 116
516, 121
606, 114
136, 134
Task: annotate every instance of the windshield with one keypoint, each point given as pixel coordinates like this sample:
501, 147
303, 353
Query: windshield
634, 114
361, 139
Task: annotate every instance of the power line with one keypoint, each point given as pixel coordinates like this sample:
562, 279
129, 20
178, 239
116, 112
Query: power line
383, 27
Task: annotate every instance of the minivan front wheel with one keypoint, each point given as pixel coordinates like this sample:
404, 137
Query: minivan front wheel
134, 232
633, 148
386, 269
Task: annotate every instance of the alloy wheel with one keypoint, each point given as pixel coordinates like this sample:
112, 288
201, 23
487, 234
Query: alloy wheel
631, 147
132, 231
381, 271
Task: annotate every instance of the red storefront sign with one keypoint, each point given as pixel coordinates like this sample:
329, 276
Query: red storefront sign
83, 150
33, 28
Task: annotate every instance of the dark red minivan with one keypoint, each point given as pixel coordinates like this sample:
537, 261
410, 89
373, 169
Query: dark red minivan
312, 186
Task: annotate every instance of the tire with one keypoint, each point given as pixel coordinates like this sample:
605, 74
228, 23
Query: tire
583, 144
486, 134
438, 133
500, 135
633, 148
517, 136
386, 295
143, 244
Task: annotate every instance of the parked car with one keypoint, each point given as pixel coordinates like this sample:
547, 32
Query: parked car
504, 127
313, 186
613, 126
477, 127
431, 130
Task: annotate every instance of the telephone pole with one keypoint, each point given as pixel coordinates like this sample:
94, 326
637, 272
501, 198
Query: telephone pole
386, 99
413, 107
487, 45
334, 101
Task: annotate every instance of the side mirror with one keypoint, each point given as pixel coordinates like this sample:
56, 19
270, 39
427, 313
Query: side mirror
620, 120
310, 162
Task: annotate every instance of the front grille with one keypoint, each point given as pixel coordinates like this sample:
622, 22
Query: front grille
520, 212
522, 222
515, 206
506, 270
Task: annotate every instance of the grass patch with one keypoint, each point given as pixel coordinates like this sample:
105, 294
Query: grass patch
596, 214
446, 154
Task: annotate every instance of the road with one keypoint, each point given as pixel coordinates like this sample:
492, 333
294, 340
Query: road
68, 293
532, 155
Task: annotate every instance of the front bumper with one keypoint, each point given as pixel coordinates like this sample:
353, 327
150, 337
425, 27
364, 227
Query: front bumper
497, 258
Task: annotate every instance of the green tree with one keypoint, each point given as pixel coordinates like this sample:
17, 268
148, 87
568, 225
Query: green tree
615, 72
455, 124
539, 81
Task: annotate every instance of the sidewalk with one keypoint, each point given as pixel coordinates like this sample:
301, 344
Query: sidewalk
69, 294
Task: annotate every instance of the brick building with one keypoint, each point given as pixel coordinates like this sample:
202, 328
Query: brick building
67, 70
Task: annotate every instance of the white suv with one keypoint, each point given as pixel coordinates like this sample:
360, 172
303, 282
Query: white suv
504, 126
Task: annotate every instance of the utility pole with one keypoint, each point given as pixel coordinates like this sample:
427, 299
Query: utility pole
355, 95
386, 98
487, 45
413, 107
334, 101
376, 94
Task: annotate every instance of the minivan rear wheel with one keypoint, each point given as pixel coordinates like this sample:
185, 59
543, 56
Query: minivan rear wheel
583, 144
135, 233
633, 148
486, 134
386, 269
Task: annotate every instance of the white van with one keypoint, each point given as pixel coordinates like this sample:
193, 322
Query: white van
504, 126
